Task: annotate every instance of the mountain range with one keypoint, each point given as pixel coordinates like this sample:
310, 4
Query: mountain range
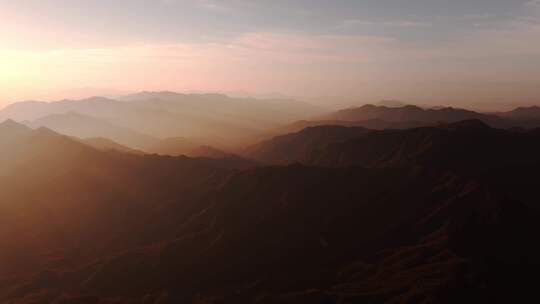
466, 144
435, 214
411, 113
161, 115
147, 120
380, 117
531, 113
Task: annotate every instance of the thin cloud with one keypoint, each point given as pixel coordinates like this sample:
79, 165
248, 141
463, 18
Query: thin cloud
352, 23
212, 5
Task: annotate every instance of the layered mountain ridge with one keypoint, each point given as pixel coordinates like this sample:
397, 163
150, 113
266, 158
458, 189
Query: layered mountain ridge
444, 211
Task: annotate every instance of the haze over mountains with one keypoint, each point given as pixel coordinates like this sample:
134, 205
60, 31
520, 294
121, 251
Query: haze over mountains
371, 204
404, 171
84, 126
145, 121
432, 214
158, 115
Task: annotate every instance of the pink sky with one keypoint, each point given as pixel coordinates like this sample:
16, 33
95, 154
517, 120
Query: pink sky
43, 59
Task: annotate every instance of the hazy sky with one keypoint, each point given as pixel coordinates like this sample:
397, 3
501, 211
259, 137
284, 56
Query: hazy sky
430, 51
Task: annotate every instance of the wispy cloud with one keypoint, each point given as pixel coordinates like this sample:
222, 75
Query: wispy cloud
351, 55
212, 5
352, 23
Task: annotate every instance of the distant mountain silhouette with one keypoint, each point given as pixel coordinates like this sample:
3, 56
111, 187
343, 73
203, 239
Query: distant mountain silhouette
390, 103
523, 113
220, 106
404, 117
169, 114
374, 124
83, 126
411, 113
396, 116
32, 110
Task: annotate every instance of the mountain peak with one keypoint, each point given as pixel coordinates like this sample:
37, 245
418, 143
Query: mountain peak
97, 99
411, 107
535, 108
10, 124
524, 112
391, 103
47, 131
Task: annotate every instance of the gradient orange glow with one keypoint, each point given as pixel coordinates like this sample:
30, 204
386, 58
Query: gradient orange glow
44, 59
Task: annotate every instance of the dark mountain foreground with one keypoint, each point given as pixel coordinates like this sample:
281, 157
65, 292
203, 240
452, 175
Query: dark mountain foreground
295, 146
462, 146
445, 214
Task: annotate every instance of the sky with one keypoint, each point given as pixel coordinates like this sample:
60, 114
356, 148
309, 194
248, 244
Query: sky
454, 52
